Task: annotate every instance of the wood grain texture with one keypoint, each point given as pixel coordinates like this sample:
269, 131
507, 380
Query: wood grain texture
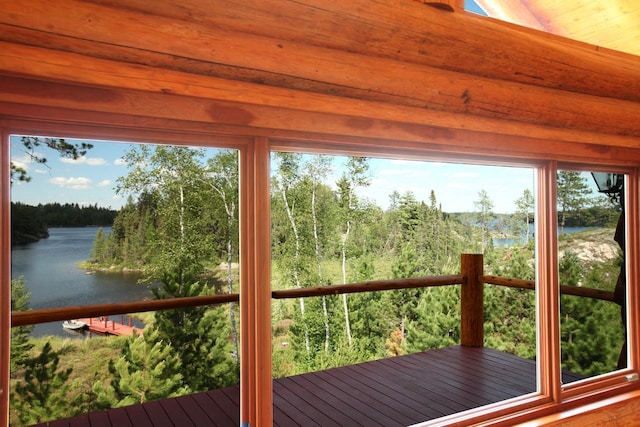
397, 391
240, 41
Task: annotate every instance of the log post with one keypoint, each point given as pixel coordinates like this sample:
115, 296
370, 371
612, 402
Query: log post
472, 301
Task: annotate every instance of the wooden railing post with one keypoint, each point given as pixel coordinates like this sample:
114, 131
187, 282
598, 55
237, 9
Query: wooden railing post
472, 301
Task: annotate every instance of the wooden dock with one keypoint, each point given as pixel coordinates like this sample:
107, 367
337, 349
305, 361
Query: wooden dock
104, 325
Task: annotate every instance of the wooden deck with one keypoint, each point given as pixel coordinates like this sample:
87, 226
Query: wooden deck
398, 391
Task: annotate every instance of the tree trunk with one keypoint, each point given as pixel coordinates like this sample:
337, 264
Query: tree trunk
344, 281
327, 331
295, 268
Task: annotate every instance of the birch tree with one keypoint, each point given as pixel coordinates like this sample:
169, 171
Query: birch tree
356, 175
175, 175
287, 178
317, 170
224, 180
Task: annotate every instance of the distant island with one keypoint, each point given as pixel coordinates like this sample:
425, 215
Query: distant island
31, 223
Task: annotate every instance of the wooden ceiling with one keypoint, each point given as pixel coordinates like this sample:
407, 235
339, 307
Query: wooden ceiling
613, 24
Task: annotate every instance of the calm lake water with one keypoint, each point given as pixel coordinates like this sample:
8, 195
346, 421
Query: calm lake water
501, 242
50, 270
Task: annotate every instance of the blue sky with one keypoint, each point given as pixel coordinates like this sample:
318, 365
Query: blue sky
92, 178
85, 181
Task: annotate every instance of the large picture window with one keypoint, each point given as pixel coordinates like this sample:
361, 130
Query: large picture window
104, 223
410, 282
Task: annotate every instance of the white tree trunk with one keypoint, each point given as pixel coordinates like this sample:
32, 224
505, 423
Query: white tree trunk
295, 268
347, 324
327, 331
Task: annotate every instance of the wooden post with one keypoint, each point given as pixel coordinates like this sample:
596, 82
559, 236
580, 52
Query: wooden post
472, 301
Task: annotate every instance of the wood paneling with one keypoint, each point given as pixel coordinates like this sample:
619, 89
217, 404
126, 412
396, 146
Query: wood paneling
613, 24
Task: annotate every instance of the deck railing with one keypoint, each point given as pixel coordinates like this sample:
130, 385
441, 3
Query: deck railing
471, 279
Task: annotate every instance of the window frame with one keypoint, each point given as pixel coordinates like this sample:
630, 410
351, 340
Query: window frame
255, 148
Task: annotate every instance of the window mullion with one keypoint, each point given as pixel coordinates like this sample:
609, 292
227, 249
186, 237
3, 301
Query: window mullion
632, 249
548, 295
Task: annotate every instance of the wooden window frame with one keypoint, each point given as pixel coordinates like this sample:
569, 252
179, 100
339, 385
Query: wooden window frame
255, 149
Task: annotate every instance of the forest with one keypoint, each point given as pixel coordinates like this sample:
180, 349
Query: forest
180, 229
30, 223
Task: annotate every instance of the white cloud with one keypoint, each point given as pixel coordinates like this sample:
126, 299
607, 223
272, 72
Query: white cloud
104, 183
80, 183
120, 162
84, 160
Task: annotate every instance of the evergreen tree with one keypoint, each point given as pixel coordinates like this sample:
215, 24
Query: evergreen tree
146, 370
485, 217
198, 336
30, 144
41, 396
20, 343
98, 248
524, 215
436, 320
572, 194
590, 330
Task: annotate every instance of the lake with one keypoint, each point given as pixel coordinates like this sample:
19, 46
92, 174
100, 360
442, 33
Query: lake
50, 270
502, 242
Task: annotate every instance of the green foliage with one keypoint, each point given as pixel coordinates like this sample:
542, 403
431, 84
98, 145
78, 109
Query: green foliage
146, 370
591, 335
42, 395
484, 217
591, 331
572, 194
198, 336
20, 344
521, 220
30, 144
435, 321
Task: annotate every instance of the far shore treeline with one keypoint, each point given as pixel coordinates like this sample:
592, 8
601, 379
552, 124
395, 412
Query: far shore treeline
31, 223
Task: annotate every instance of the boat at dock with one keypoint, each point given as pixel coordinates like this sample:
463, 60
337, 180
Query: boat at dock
74, 325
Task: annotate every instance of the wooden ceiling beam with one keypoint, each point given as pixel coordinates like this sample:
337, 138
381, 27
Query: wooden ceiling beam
405, 31
423, 95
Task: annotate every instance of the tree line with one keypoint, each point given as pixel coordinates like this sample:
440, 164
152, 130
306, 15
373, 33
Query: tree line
31, 223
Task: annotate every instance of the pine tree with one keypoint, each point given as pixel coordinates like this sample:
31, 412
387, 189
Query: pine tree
524, 215
20, 343
198, 336
146, 370
485, 217
41, 396
98, 249
573, 193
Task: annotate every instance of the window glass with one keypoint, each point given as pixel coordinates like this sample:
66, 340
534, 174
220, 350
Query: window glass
590, 261
347, 220
98, 222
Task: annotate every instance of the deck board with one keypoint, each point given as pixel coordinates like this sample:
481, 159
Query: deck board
137, 414
119, 417
391, 392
